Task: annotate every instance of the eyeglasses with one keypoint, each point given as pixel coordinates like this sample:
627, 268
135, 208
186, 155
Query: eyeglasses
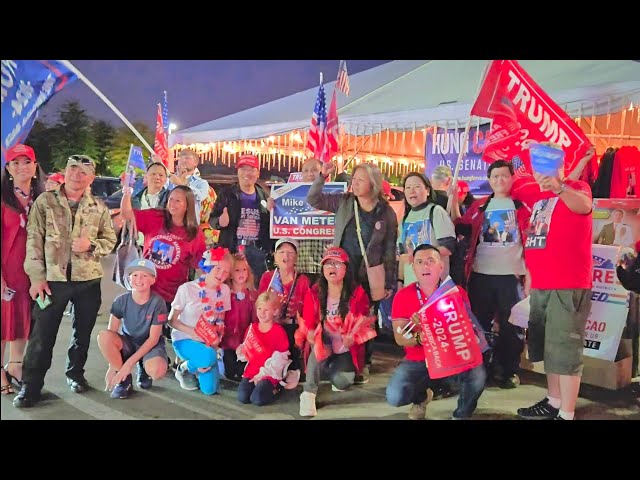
81, 159
336, 265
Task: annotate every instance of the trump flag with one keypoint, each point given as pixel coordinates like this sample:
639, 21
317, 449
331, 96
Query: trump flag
522, 114
26, 86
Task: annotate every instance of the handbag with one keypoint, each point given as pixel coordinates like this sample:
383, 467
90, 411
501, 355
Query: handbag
126, 253
375, 275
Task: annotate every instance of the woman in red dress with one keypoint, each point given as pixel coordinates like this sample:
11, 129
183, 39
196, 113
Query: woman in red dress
21, 184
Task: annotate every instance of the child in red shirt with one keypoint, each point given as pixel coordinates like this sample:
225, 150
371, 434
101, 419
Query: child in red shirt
266, 350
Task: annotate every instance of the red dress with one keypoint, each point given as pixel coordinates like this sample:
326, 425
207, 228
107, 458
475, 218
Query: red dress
238, 319
16, 314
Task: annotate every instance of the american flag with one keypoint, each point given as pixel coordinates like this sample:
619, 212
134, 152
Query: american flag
519, 167
319, 142
165, 113
342, 83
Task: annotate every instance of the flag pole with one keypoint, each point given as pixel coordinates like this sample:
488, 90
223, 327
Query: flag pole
463, 143
95, 90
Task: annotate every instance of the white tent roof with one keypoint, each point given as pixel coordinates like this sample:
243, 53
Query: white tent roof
407, 94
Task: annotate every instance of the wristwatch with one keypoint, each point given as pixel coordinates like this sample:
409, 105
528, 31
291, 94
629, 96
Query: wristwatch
562, 188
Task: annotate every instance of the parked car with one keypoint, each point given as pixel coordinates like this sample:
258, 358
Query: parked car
102, 187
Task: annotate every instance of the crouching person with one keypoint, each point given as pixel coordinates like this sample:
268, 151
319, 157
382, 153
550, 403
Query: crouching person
197, 318
410, 382
336, 324
266, 351
134, 333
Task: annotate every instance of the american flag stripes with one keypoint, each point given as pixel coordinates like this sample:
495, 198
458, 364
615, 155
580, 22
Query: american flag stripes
322, 138
342, 83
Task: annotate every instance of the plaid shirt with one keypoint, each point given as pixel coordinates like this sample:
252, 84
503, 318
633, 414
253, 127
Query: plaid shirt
310, 253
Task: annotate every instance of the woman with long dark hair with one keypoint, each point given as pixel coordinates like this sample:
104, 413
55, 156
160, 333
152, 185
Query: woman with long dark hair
22, 182
336, 324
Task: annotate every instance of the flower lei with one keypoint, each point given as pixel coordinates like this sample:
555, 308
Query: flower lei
209, 259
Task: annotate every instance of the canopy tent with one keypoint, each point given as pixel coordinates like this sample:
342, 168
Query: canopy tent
390, 107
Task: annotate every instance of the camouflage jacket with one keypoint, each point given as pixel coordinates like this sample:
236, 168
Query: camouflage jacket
49, 238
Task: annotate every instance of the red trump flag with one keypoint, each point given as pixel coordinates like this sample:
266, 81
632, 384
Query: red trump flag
522, 114
160, 146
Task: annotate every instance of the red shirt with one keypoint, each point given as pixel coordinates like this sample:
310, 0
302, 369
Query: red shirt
405, 304
558, 244
238, 319
262, 347
297, 297
625, 177
171, 252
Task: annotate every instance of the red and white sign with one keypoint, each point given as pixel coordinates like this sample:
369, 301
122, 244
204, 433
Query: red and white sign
295, 177
523, 113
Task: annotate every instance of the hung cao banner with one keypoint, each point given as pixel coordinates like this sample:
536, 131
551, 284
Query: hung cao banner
443, 148
293, 217
609, 306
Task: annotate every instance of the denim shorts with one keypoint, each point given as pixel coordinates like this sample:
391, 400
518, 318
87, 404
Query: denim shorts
556, 329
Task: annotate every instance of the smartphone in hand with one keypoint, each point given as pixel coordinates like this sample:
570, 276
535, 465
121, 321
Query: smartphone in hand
43, 303
8, 294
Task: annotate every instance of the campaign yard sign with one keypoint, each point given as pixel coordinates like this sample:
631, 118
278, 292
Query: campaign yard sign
609, 306
293, 217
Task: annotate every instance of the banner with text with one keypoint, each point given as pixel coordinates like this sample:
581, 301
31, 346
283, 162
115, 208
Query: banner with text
293, 217
26, 86
609, 306
443, 147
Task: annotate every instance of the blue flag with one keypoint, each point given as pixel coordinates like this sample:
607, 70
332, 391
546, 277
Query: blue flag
26, 86
276, 283
136, 159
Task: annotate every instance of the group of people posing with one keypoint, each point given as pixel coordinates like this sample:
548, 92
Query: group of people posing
270, 314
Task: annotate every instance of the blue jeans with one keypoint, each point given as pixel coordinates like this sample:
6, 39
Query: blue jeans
259, 394
410, 381
198, 355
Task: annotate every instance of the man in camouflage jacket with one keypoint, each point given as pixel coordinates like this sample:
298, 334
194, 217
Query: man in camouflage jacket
67, 233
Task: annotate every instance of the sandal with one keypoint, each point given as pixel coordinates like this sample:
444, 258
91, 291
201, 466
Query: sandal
11, 378
8, 388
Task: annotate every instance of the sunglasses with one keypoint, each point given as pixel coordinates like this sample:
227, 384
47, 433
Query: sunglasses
82, 159
336, 265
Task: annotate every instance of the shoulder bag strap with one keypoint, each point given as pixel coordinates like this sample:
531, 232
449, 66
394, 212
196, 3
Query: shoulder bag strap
362, 249
286, 304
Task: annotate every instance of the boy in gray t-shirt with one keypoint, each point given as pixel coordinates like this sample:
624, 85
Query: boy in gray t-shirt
134, 334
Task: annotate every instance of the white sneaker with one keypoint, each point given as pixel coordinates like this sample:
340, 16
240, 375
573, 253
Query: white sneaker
336, 389
308, 404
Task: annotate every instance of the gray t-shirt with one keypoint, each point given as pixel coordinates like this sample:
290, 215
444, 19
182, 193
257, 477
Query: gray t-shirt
138, 319
417, 230
500, 249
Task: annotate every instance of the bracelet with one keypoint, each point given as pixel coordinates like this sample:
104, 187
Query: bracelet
417, 337
562, 188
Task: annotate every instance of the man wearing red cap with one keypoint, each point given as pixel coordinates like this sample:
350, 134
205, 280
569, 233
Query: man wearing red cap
241, 215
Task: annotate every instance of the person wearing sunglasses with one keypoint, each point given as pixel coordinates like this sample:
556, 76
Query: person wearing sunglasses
68, 232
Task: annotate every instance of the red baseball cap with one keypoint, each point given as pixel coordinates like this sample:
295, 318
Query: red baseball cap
386, 188
248, 160
56, 177
20, 149
335, 253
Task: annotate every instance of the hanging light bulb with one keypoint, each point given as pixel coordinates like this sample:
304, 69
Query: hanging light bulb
630, 107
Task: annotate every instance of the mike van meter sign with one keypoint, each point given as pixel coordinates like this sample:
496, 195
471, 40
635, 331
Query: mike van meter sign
609, 306
293, 217
443, 147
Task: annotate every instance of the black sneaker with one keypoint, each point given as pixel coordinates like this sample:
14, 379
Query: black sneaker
143, 380
510, 382
540, 411
78, 386
440, 391
558, 417
27, 397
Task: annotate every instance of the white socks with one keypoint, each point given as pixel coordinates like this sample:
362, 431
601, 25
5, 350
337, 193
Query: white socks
566, 415
554, 402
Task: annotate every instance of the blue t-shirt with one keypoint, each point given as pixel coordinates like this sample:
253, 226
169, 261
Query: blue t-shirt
249, 225
138, 319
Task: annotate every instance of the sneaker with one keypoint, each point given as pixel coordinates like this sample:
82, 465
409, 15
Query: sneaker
188, 381
540, 411
143, 380
362, 378
308, 404
123, 389
440, 391
558, 417
78, 386
418, 411
336, 389
510, 382
27, 397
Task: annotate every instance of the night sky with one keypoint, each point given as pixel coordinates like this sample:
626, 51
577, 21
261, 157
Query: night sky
198, 91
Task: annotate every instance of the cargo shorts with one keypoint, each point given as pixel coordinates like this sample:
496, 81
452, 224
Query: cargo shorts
557, 327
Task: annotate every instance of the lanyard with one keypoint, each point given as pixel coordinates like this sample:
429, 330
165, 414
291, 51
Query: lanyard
419, 295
